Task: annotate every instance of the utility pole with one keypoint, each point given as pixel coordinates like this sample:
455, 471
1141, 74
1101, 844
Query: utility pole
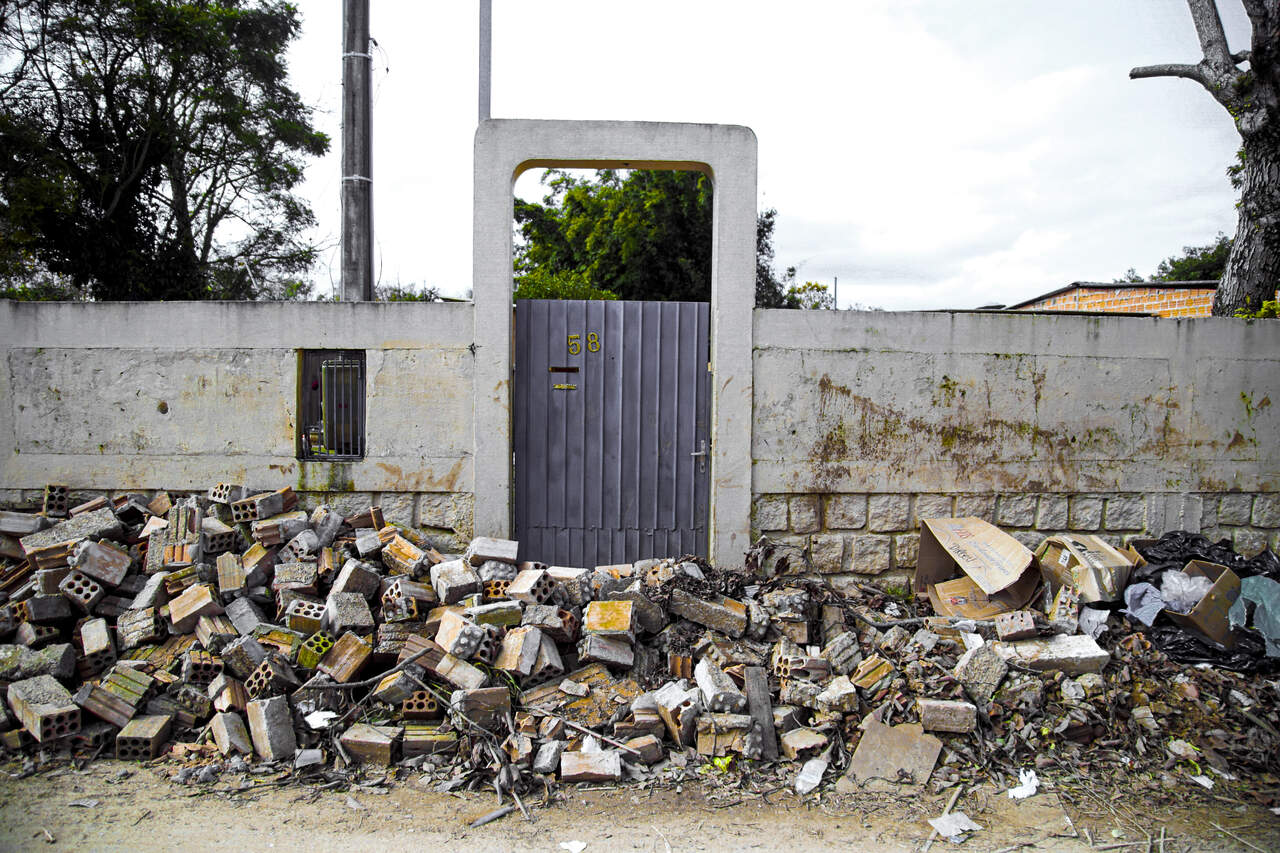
486, 56
357, 156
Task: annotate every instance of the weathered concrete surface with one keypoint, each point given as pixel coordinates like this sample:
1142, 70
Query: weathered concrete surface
989, 402
863, 422
182, 395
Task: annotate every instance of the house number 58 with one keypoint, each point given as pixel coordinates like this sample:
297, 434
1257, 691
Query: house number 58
575, 343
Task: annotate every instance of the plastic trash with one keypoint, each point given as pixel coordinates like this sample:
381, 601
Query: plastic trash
1030, 784
1264, 594
319, 720
1093, 621
1171, 552
1178, 547
811, 774
953, 826
1248, 655
1143, 602
1182, 592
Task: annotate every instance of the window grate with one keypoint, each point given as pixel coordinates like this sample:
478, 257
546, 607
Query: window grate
331, 405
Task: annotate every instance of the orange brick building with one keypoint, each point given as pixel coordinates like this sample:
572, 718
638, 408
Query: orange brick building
1164, 298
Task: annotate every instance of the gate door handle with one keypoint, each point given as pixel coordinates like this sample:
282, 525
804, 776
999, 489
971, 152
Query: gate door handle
701, 454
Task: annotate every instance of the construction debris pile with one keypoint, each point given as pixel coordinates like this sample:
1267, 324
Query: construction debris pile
235, 629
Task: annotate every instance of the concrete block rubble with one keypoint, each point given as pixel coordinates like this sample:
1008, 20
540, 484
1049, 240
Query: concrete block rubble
235, 632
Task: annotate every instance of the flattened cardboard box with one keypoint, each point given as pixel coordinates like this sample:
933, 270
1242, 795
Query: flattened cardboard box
971, 568
1209, 617
1088, 564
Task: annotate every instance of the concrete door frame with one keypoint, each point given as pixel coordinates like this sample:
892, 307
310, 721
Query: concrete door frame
504, 149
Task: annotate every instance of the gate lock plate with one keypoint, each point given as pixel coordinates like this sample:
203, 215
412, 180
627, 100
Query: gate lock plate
701, 455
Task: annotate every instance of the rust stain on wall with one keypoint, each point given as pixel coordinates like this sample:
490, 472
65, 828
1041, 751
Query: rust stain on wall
420, 481
858, 437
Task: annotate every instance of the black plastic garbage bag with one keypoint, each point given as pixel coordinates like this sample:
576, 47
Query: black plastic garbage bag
1178, 547
1185, 646
1173, 551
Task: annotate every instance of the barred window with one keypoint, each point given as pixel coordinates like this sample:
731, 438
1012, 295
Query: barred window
331, 404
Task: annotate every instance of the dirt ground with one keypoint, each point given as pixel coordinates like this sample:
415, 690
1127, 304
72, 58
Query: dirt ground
128, 806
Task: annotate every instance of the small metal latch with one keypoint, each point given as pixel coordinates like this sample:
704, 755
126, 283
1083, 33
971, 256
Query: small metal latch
701, 454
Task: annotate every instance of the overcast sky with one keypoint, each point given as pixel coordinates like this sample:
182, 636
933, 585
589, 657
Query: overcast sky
928, 153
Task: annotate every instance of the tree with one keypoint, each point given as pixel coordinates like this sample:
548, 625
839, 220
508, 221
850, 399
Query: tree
811, 295
539, 283
149, 149
771, 291
630, 235
1196, 263
1251, 95
642, 235
405, 293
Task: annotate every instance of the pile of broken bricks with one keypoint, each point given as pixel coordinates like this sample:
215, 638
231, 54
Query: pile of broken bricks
234, 629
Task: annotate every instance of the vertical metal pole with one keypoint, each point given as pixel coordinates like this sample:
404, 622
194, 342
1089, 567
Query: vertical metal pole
357, 156
835, 292
486, 56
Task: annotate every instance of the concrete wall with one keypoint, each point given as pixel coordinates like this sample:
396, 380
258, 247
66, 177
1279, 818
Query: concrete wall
865, 422
180, 396
861, 423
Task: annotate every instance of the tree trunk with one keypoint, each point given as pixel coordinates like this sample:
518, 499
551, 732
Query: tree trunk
1253, 270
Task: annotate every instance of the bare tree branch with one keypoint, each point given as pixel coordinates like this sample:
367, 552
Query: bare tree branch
1213, 39
1217, 72
1191, 72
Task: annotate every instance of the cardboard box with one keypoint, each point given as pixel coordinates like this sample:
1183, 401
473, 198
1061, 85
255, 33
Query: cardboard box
972, 569
1209, 617
1088, 564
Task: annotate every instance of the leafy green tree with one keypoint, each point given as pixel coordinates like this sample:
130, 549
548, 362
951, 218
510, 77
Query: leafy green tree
642, 235
634, 235
539, 283
149, 149
23, 277
1130, 277
405, 293
811, 295
1196, 263
771, 290
1246, 84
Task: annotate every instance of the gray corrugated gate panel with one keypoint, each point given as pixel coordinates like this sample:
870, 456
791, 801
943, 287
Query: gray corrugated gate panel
603, 472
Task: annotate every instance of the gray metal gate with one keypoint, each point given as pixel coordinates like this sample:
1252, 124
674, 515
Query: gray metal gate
612, 404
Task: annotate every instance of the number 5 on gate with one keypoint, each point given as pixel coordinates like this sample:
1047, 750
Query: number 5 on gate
575, 344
